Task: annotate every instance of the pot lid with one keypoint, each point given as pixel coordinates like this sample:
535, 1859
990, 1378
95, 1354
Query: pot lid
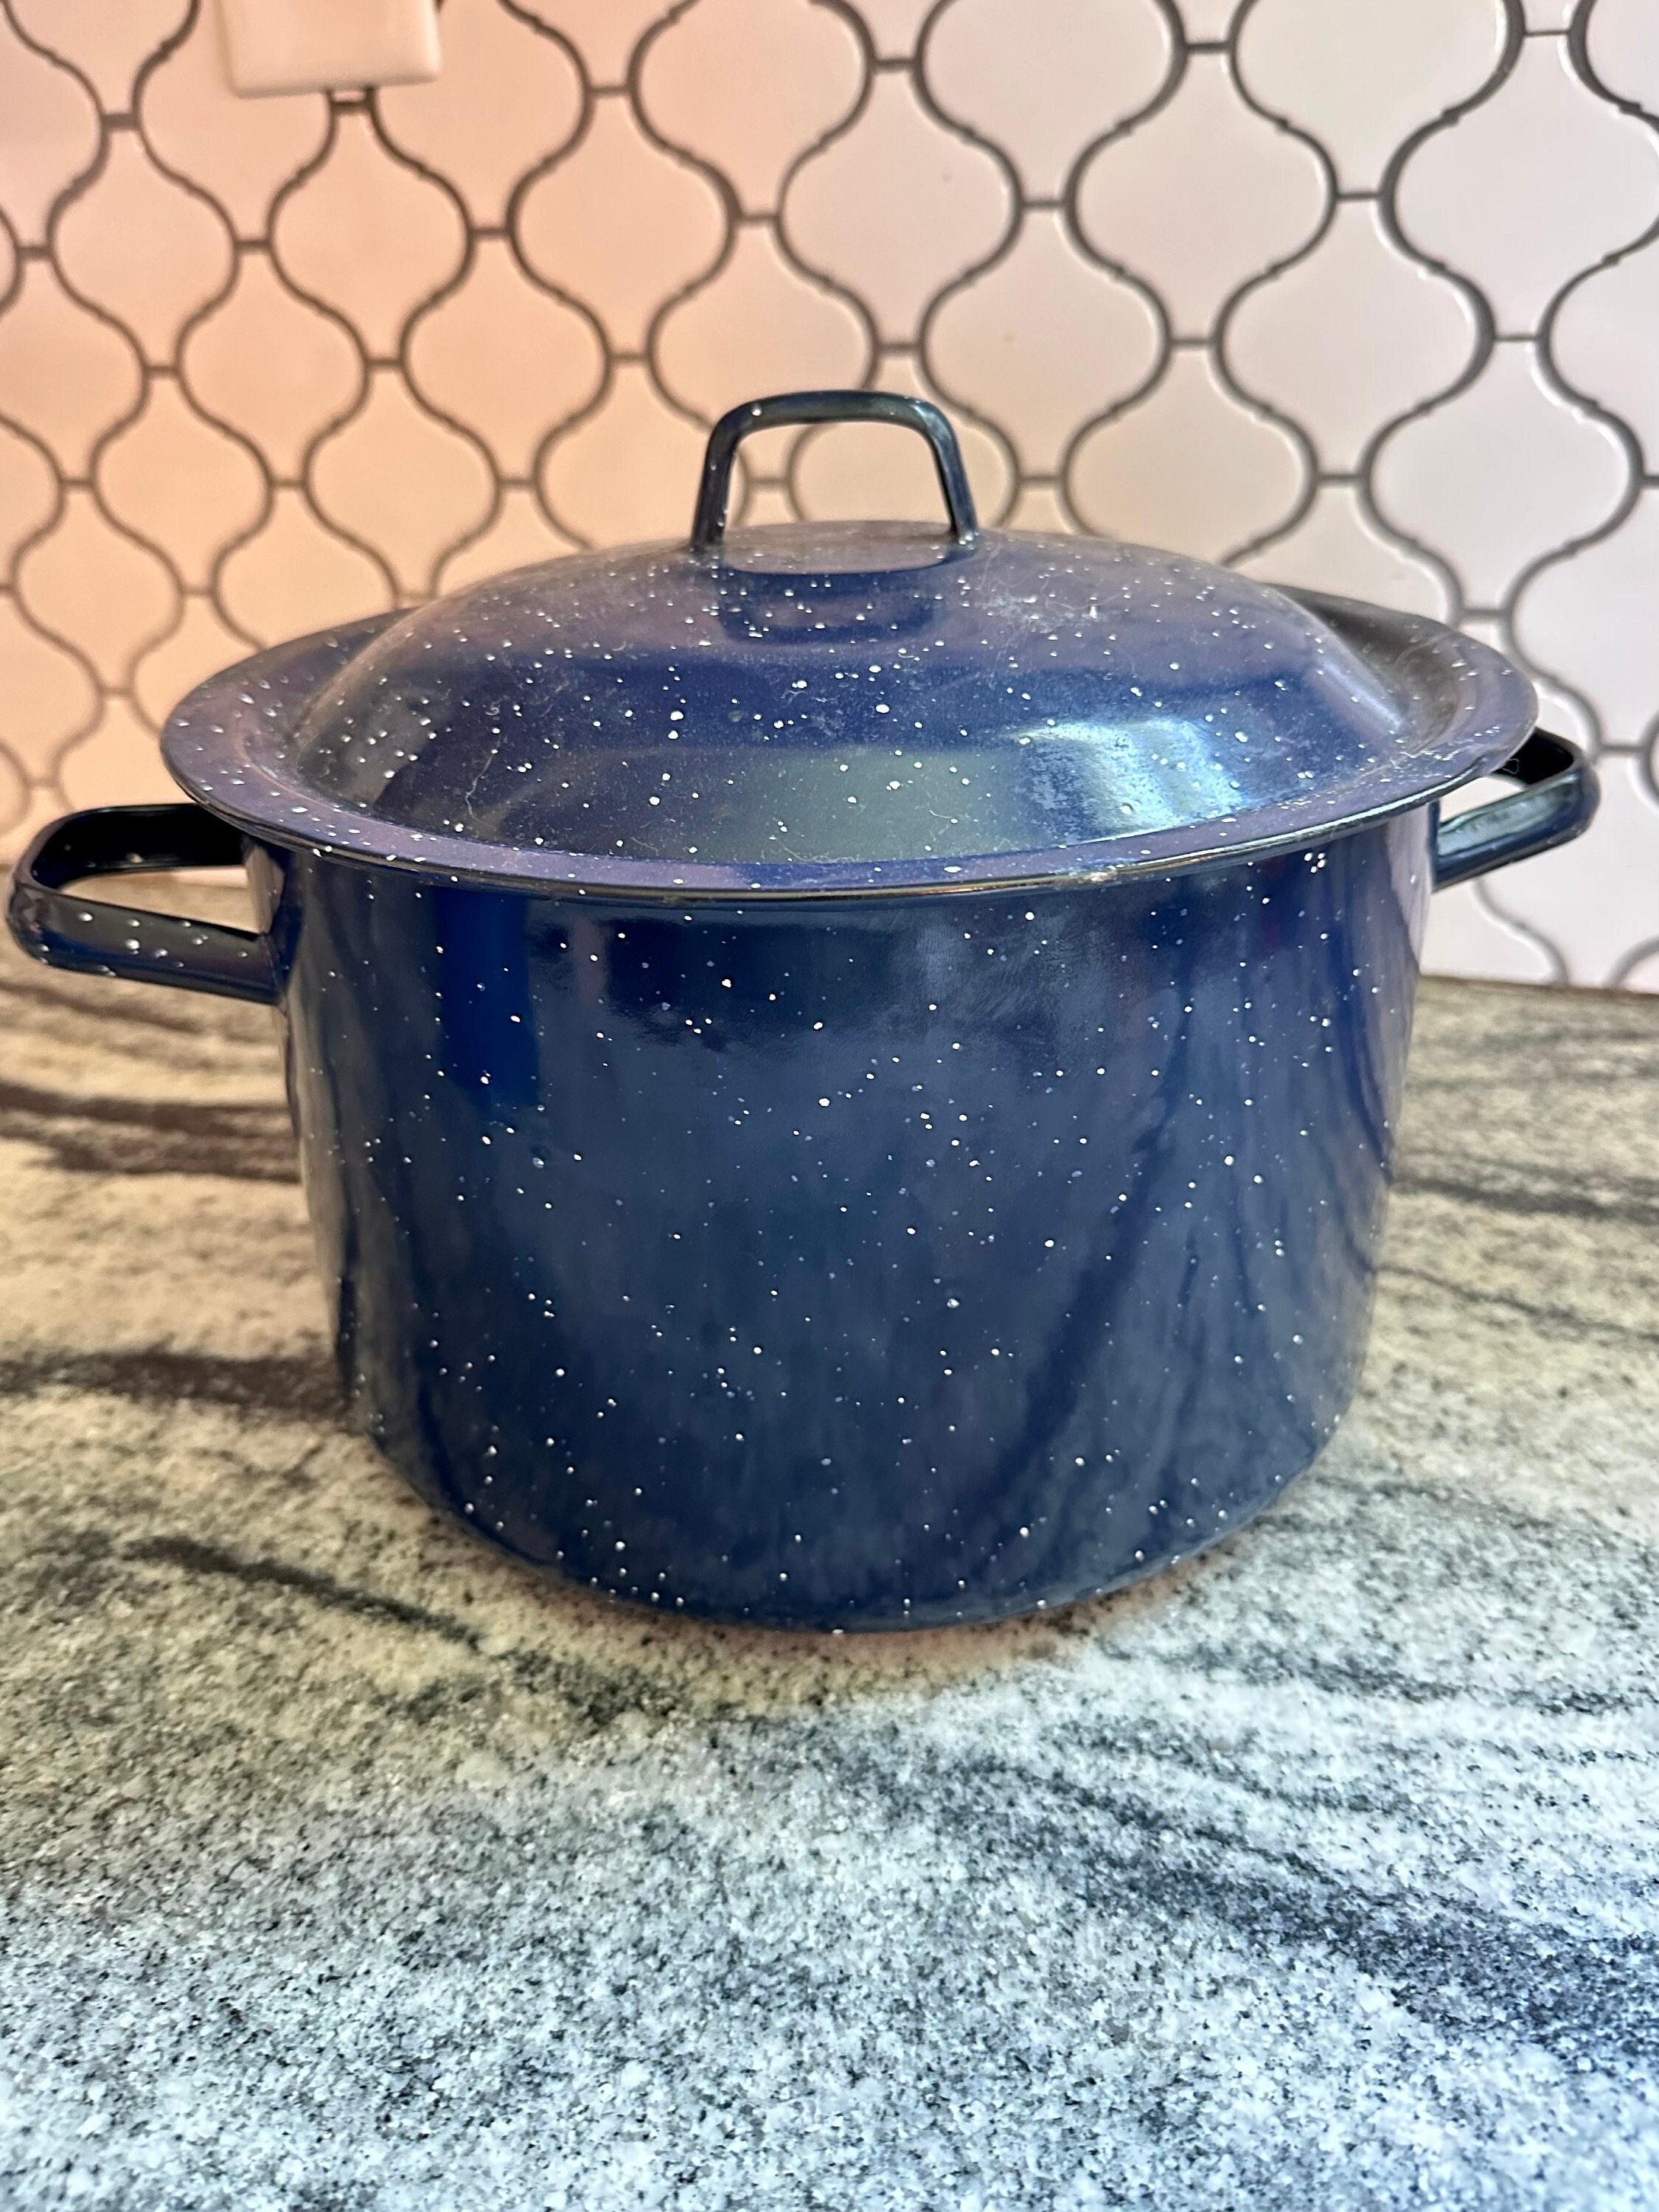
844, 708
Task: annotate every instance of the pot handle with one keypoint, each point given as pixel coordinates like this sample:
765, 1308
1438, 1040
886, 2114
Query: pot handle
66, 930
708, 524
1557, 799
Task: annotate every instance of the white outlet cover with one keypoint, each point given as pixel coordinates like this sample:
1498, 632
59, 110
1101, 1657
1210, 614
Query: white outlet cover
328, 46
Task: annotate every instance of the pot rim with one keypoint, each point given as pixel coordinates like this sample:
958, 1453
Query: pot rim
223, 744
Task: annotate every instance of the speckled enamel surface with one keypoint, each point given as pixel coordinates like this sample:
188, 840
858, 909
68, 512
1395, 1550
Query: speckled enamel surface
846, 709
901, 1261
344, 1864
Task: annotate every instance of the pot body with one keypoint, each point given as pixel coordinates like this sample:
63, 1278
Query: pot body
864, 1264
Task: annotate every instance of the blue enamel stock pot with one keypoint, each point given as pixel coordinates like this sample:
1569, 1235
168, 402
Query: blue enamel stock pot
846, 1075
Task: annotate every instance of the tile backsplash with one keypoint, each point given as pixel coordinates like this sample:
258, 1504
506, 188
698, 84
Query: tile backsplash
1355, 293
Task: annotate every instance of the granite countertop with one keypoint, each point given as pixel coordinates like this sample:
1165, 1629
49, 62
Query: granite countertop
346, 1868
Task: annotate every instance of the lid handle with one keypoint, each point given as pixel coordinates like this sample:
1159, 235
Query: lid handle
708, 524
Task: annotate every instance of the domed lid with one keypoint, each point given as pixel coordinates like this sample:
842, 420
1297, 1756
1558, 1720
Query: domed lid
845, 708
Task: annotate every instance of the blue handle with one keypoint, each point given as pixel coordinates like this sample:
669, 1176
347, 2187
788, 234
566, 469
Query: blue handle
708, 524
68, 931
1557, 799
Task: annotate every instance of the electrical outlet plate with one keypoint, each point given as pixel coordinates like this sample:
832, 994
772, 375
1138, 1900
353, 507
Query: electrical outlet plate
328, 46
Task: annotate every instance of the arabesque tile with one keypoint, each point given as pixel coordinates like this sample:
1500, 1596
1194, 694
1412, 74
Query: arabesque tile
507, 98
397, 479
1592, 619
506, 357
242, 151
1201, 196
1535, 184
181, 482
49, 134
98, 589
295, 575
758, 325
202, 644
1360, 77
119, 763
368, 235
143, 248
1043, 340
897, 207
271, 364
108, 42
628, 469
1337, 547
1351, 337
1046, 79
1604, 342
621, 225
47, 694
519, 534
749, 86
1450, 477
1187, 467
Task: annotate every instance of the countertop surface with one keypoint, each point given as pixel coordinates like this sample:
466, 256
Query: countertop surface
345, 1868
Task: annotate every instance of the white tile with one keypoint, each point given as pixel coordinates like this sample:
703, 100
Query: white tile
896, 207
105, 39
28, 487
368, 235
1363, 74
1041, 341
1350, 336
630, 469
758, 326
1498, 474
1040, 507
201, 645
517, 535
402, 483
621, 225
13, 795
856, 470
606, 33
97, 588
119, 764
1548, 15
749, 85
47, 695
1596, 897
271, 364
506, 357
1593, 619
508, 97
1207, 21
242, 151
1531, 187
1202, 196
296, 575
895, 26
1621, 41
1336, 547
177, 481
1464, 937
1639, 970
1604, 341
1187, 467
48, 134
313, 46
1044, 80
140, 246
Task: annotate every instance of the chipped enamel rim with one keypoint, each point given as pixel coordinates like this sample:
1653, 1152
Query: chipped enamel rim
226, 744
